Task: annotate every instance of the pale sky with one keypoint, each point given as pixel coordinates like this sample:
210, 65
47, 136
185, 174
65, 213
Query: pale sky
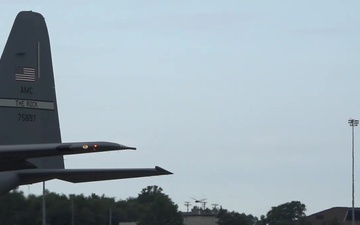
246, 102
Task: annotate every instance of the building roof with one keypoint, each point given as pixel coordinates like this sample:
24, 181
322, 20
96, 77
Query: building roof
340, 215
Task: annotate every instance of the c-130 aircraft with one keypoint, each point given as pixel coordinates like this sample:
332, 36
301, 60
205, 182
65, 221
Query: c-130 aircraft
31, 150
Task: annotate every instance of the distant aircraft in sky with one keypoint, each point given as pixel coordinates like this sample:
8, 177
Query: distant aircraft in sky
30, 143
201, 201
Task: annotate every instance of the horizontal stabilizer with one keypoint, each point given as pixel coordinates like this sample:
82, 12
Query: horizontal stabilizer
18, 152
86, 175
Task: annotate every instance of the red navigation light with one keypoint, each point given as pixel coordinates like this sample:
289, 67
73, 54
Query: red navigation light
95, 146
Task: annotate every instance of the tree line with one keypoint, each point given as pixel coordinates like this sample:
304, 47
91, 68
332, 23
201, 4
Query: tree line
151, 207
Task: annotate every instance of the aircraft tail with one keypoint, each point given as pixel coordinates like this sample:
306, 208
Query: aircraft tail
28, 106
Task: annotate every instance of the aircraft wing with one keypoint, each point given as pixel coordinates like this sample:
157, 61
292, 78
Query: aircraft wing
86, 175
19, 152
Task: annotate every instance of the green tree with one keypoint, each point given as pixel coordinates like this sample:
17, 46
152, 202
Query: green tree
11, 204
128, 210
251, 220
285, 213
232, 218
151, 206
57, 206
200, 210
196, 209
158, 208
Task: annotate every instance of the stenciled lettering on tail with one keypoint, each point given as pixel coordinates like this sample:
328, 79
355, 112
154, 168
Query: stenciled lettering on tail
27, 103
26, 90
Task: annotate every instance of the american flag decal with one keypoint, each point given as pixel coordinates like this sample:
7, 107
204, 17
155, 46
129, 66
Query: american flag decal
25, 74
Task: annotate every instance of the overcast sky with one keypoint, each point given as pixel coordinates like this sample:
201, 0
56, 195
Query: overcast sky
245, 102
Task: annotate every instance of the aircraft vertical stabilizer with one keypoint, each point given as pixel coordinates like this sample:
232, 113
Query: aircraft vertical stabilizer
30, 143
27, 92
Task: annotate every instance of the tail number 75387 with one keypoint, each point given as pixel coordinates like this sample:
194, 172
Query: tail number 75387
26, 117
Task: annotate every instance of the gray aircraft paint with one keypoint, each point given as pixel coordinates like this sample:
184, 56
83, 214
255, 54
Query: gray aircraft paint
28, 46
30, 143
